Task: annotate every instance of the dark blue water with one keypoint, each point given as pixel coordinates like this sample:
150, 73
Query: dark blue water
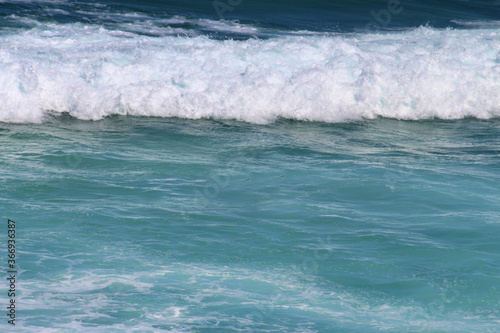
335, 16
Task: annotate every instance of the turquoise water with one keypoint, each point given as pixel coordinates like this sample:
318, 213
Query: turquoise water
171, 225
251, 166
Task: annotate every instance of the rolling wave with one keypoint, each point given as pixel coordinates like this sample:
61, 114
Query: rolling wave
92, 72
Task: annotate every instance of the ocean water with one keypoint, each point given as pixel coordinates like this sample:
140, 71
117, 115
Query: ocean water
251, 166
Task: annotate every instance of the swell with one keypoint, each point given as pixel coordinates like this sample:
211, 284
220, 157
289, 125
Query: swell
317, 15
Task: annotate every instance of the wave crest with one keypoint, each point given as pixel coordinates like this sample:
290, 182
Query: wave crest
92, 72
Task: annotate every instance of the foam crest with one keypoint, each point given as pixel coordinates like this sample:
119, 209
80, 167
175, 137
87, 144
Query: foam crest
92, 72
477, 24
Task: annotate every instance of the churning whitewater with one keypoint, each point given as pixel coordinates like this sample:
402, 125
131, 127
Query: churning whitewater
92, 72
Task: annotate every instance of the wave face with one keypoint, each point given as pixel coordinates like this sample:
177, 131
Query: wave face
91, 72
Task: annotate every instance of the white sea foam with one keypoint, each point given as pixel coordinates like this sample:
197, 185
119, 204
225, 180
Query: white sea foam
477, 24
92, 72
270, 299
